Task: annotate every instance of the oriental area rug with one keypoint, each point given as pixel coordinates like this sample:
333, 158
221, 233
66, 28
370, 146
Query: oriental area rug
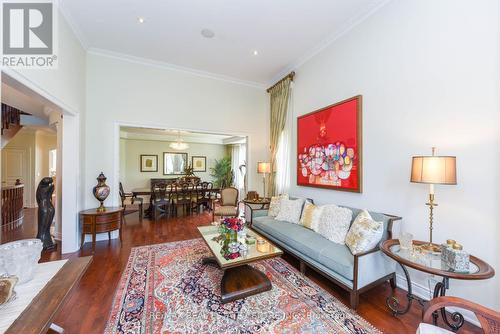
165, 288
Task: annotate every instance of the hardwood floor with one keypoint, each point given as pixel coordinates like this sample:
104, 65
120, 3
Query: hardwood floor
87, 309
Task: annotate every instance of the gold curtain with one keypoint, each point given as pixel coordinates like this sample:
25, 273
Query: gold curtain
280, 94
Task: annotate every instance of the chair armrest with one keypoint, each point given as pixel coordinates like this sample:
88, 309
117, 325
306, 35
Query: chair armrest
488, 318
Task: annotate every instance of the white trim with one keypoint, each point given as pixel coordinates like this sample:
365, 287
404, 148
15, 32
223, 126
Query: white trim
348, 26
169, 66
66, 14
16, 76
424, 293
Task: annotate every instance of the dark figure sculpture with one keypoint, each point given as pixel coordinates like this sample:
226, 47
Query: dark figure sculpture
46, 211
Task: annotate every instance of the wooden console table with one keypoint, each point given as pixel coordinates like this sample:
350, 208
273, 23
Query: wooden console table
37, 317
94, 222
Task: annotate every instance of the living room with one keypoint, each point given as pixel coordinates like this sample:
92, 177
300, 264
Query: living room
395, 78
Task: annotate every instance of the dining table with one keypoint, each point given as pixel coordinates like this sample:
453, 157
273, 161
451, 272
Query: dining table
147, 192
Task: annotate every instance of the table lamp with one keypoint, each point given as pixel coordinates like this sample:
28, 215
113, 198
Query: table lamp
264, 168
433, 170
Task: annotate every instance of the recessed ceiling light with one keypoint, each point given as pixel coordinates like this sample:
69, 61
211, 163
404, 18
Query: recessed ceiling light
255, 52
207, 33
140, 19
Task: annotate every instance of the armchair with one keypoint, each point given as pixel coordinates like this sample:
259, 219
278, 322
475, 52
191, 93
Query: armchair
228, 204
489, 319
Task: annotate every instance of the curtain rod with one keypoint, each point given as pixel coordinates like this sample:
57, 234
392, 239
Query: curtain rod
289, 75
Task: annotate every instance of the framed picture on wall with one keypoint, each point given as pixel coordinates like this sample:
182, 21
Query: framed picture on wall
174, 163
329, 147
149, 163
199, 163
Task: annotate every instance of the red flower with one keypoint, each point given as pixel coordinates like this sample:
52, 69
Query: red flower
233, 256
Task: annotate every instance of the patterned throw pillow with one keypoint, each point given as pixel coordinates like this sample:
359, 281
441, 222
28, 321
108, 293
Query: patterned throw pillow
334, 223
290, 210
274, 206
310, 216
364, 234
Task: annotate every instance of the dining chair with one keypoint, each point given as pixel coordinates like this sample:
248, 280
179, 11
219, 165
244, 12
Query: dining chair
124, 195
201, 198
160, 201
228, 203
181, 196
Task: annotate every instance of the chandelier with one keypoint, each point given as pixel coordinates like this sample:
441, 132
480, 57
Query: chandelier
179, 144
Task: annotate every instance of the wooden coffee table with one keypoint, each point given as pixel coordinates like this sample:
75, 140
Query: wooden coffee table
240, 280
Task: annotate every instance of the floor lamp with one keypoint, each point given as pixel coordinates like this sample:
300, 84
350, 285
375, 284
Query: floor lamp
433, 170
264, 168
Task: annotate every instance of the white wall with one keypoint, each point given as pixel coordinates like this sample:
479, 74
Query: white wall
429, 73
44, 143
131, 150
128, 93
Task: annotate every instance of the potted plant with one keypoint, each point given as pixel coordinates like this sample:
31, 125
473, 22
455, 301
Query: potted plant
222, 173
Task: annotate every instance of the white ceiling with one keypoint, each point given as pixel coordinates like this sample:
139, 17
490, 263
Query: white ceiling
284, 32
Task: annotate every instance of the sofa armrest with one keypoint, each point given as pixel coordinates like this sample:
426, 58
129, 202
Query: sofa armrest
253, 211
373, 250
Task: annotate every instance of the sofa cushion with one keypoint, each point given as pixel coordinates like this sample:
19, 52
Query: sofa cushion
275, 205
334, 256
334, 223
310, 216
290, 210
364, 234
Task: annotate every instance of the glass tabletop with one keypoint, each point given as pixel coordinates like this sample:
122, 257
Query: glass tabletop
429, 260
260, 249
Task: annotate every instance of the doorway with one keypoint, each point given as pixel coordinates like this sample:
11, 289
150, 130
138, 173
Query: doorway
42, 120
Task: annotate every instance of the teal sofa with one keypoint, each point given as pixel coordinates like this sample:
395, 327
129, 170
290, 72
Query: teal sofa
354, 273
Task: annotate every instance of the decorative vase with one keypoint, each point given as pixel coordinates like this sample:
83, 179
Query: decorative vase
101, 191
19, 258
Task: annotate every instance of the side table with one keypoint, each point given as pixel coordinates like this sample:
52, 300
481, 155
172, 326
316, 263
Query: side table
94, 222
431, 264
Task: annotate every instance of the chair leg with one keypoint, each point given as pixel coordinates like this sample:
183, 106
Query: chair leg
109, 236
140, 211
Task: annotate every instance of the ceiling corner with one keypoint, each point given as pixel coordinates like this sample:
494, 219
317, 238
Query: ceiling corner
73, 25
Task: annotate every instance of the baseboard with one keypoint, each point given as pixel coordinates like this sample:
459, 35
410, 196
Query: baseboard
424, 292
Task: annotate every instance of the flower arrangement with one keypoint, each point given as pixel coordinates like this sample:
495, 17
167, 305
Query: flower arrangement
233, 224
231, 248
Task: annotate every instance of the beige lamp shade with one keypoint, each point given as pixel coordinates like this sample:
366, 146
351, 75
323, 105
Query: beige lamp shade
263, 167
434, 170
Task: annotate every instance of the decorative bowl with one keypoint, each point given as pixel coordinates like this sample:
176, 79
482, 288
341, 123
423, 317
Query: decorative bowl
19, 258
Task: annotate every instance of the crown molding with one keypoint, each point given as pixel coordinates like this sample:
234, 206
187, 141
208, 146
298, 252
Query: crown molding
348, 26
72, 25
170, 138
172, 67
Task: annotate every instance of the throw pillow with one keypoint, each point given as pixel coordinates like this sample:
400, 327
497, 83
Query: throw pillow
310, 216
364, 234
274, 206
290, 210
334, 223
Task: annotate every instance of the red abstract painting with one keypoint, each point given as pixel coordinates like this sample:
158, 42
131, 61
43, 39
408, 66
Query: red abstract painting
329, 147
